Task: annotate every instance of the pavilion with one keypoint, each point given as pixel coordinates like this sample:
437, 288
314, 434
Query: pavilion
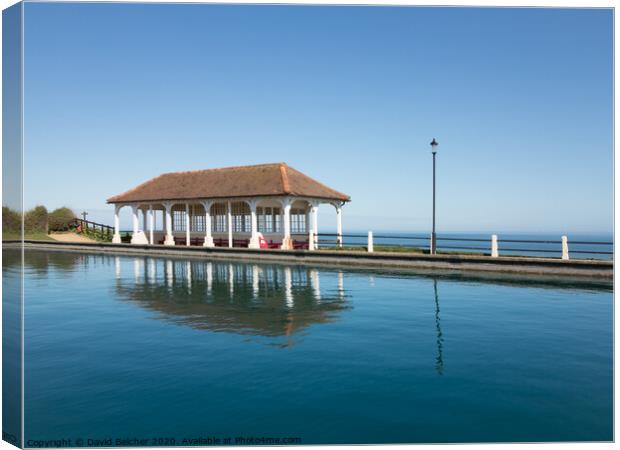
229, 207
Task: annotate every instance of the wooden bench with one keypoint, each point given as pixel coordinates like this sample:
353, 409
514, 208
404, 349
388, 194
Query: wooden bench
241, 243
196, 241
300, 245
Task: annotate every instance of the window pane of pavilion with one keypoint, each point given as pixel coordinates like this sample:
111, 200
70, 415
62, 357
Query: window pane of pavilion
178, 220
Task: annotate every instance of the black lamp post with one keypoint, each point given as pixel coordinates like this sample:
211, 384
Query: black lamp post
433, 249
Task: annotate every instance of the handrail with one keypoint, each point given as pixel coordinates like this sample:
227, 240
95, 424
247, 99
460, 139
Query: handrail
465, 239
452, 243
95, 224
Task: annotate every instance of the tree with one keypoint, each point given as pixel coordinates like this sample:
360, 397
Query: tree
11, 220
35, 220
60, 218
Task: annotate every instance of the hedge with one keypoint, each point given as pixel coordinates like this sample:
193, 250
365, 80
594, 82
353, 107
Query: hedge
59, 219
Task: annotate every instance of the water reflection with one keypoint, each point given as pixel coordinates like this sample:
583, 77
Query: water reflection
253, 299
41, 262
439, 359
263, 300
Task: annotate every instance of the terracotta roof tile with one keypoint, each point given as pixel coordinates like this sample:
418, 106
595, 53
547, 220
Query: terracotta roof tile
275, 179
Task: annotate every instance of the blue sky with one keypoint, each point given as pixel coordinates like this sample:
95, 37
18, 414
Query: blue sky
520, 101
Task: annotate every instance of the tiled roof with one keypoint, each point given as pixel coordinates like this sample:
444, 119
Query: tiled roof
277, 179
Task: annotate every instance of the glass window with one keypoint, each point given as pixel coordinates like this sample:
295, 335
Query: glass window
198, 222
298, 221
219, 217
268, 219
178, 220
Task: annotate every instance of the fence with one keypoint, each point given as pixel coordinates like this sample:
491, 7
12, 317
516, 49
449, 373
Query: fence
491, 246
96, 230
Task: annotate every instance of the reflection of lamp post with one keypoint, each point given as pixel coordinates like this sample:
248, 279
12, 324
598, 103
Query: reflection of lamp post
433, 248
439, 359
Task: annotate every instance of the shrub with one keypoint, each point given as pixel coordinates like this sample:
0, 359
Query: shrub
60, 218
11, 220
35, 220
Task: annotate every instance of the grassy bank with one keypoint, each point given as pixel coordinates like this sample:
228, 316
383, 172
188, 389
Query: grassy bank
31, 235
36, 223
395, 249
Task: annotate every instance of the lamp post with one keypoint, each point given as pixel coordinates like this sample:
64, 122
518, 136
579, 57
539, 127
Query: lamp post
433, 248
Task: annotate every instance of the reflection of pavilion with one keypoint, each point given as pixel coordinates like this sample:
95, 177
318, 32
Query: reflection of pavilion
264, 300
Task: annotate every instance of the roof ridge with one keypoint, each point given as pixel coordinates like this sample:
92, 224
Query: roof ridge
217, 169
286, 186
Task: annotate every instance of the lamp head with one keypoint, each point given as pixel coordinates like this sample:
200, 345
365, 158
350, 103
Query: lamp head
434, 145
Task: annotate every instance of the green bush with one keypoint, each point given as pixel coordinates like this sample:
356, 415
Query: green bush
35, 220
11, 220
59, 219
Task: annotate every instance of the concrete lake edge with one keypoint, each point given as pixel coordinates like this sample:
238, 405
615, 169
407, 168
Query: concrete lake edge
583, 269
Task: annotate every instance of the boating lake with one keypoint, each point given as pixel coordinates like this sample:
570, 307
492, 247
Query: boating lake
124, 347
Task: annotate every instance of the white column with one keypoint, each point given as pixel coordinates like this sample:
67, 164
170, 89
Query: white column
254, 243
134, 216
287, 243
494, 247
230, 230
315, 223
371, 245
151, 224
144, 219
169, 240
208, 237
187, 225
116, 239
311, 240
137, 237
564, 247
339, 225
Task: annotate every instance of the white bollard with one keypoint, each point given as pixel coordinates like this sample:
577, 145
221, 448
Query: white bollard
494, 248
311, 240
370, 243
564, 247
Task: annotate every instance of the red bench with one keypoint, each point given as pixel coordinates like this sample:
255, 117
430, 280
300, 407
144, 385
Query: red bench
196, 241
241, 243
300, 245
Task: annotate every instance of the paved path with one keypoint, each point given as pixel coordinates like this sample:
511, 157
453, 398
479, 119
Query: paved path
70, 237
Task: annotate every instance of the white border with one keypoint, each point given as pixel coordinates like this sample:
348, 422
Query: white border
478, 3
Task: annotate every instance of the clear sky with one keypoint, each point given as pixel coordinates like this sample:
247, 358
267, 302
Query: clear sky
520, 101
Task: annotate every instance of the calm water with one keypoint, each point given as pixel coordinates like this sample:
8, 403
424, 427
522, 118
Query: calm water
124, 347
